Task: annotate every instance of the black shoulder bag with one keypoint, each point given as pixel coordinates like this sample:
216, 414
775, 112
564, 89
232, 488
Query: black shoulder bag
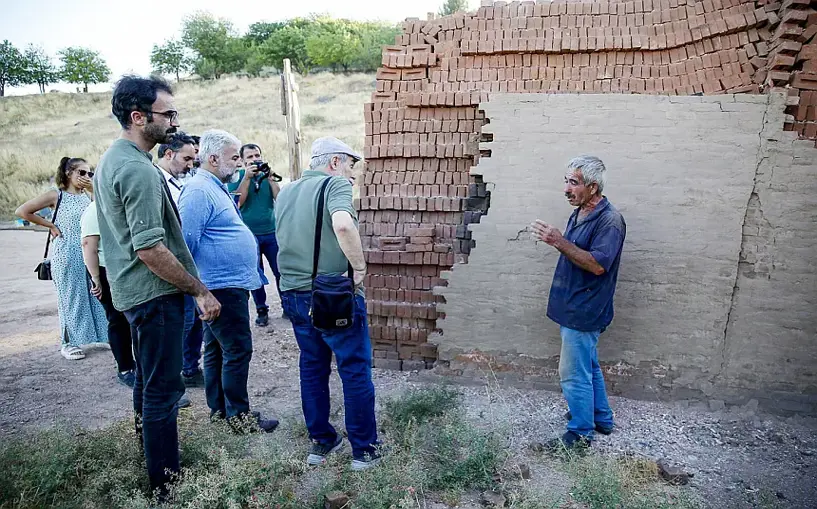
333, 297
43, 270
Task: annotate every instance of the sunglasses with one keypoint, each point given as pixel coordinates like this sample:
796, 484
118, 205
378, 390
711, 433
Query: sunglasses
82, 173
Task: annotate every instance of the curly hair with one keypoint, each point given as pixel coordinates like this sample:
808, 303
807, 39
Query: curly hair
67, 165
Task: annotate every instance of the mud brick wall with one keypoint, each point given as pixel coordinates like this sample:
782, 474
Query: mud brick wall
422, 186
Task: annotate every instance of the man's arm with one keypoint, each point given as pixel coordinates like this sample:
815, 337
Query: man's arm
349, 241
195, 210
143, 195
275, 188
90, 255
553, 237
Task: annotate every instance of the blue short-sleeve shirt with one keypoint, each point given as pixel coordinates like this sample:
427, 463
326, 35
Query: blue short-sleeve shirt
579, 299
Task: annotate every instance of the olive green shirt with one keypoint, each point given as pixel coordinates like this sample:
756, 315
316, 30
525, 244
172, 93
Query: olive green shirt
295, 213
135, 212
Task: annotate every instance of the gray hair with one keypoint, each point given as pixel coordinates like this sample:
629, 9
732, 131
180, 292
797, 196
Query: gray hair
214, 142
592, 169
321, 162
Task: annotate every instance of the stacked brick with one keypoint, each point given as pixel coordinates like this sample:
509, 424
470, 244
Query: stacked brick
423, 126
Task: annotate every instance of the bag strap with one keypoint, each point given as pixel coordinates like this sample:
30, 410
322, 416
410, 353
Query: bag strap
318, 228
53, 218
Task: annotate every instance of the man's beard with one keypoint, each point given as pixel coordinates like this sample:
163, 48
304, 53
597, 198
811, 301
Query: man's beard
227, 175
157, 134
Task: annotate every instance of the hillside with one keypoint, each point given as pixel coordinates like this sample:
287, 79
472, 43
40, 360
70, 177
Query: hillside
36, 131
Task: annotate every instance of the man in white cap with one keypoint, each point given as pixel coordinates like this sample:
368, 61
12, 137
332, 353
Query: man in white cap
296, 214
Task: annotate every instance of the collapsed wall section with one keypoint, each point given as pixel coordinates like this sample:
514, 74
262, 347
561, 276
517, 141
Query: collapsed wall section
424, 124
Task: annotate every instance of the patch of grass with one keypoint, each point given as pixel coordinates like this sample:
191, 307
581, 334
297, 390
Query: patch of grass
622, 482
310, 120
419, 405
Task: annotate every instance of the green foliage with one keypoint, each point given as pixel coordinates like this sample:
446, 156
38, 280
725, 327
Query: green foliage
213, 41
12, 69
170, 58
420, 406
333, 43
260, 31
451, 6
39, 68
288, 42
373, 36
83, 66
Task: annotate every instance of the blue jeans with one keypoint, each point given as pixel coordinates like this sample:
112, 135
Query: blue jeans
267, 247
583, 382
191, 346
156, 331
353, 353
227, 354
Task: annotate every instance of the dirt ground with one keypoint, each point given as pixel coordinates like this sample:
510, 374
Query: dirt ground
734, 454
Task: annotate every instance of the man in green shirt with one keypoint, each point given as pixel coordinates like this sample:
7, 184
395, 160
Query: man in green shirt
257, 192
296, 215
149, 267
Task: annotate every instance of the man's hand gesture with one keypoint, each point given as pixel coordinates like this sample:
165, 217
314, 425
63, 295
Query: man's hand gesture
546, 233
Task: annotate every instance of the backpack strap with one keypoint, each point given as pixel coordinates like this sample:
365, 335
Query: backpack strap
53, 218
319, 228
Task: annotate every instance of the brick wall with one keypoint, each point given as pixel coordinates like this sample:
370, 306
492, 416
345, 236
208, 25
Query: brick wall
424, 124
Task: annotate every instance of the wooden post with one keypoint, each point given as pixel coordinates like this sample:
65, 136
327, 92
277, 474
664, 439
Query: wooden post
292, 113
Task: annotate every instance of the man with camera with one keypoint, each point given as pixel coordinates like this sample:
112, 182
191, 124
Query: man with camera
257, 192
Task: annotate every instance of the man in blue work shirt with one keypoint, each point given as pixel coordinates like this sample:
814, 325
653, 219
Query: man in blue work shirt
225, 253
581, 296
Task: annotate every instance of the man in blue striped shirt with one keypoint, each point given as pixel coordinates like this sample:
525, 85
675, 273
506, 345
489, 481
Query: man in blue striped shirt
226, 254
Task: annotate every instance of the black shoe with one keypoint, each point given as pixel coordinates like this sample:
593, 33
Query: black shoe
128, 378
599, 429
284, 315
262, 320
184, 402
318, 452
247, 423
194, 380
219, 415
568, 442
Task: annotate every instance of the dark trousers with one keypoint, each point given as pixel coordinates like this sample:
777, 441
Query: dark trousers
353, 353
193, 337
118, 327
227, 354
267, 247
156, 329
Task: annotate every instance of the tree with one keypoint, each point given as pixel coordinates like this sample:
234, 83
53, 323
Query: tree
333, 43
170, 58
39, 68
210, 37
452, 6
83, 66
289, 42
259, 32
373, 36
12, 70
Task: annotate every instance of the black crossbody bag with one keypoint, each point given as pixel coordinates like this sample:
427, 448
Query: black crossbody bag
333, 297
43, 270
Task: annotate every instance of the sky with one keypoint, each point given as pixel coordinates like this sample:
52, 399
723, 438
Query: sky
125, 32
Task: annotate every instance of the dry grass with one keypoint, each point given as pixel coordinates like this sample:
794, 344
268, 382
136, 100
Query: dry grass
36, 131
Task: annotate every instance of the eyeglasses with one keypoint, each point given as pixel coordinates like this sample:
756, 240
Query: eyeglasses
82, 173
171, 114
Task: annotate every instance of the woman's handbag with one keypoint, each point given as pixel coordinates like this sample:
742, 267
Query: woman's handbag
43, 270
333, 297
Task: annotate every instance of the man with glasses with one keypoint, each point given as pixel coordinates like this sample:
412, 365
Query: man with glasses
149, 266
340, 246
581, 297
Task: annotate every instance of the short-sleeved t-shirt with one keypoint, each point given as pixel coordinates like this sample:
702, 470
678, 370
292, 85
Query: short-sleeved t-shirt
579, 299
89, 226
135, 212
295, 215
258, 210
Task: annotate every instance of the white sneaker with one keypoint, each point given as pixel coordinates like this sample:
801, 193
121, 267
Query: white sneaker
365, 464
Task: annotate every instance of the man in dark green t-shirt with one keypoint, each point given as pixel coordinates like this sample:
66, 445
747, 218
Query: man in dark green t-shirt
257, 192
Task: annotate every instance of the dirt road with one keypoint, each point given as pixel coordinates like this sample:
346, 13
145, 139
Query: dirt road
734, 453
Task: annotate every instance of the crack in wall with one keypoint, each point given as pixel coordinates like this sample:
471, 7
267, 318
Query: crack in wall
753, 204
